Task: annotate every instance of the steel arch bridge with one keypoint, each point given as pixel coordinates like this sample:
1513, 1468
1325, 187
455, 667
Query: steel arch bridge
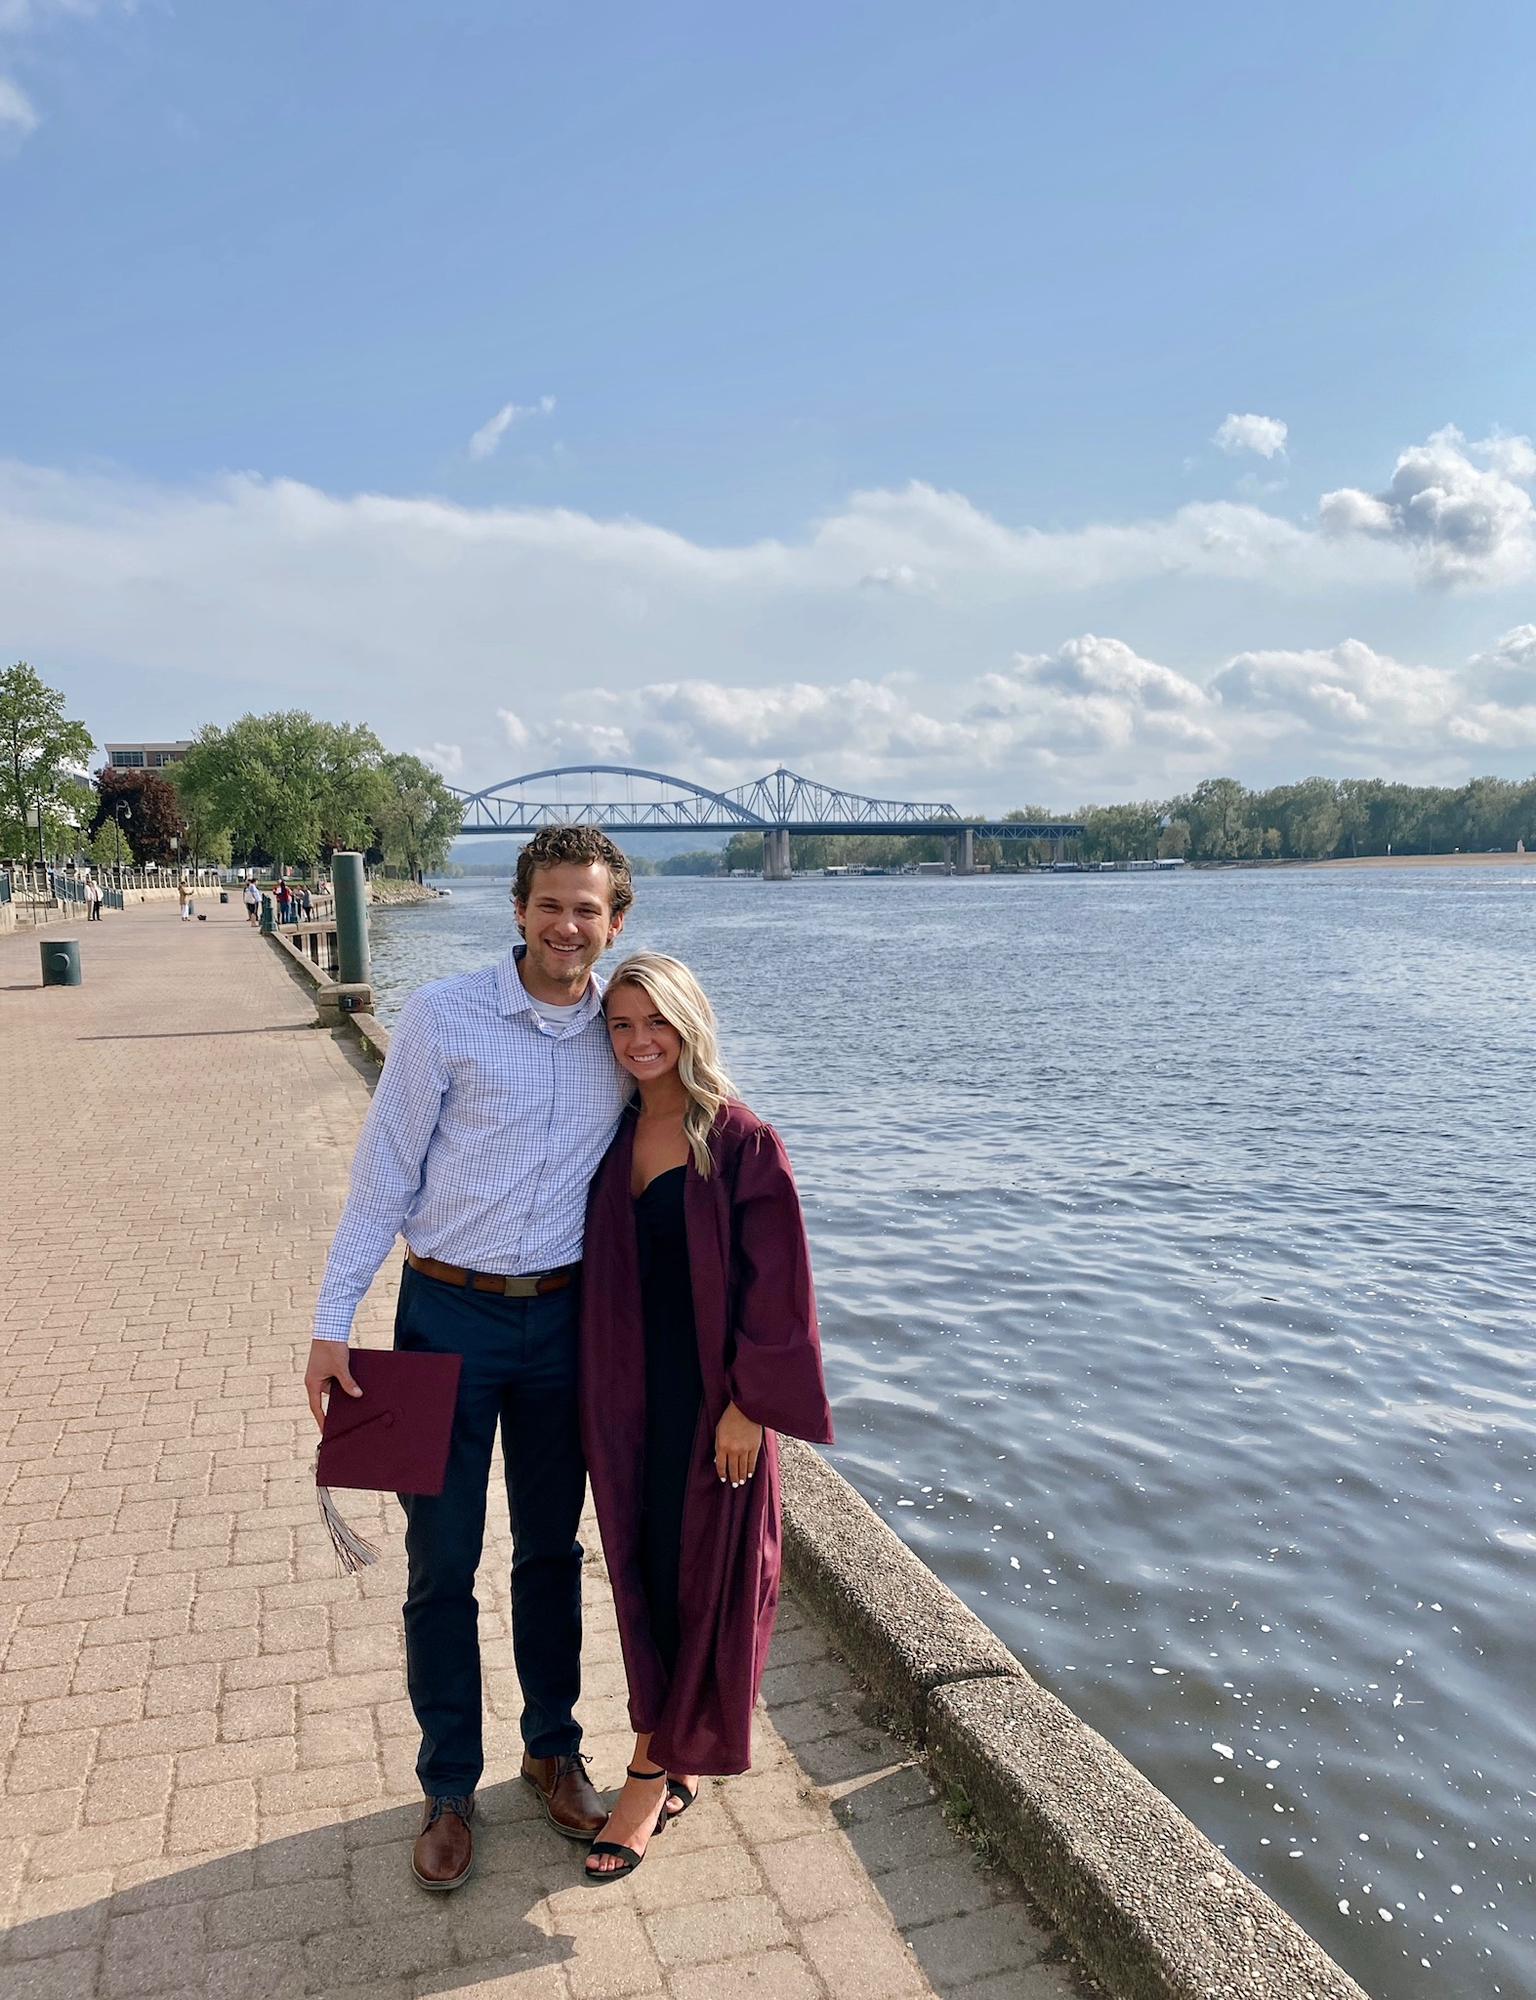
778, 805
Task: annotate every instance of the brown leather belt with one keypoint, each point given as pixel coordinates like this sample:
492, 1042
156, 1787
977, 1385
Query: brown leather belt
532, 1287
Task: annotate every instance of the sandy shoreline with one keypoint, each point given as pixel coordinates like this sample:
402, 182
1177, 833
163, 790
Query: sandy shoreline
1425, 861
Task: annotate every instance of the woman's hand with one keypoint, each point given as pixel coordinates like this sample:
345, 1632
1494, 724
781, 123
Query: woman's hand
737, 1443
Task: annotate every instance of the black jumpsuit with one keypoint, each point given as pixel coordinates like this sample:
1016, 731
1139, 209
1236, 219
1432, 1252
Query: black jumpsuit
674, 1390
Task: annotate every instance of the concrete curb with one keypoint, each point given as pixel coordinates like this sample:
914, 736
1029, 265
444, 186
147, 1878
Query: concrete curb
905, 1632
1147, 1903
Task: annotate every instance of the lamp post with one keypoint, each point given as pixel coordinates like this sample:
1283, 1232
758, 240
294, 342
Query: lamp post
37, 821
121, 810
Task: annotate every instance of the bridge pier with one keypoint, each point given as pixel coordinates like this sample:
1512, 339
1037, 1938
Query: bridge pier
777, 866
966, 864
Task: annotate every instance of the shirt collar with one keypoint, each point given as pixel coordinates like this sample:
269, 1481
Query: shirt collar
512, 995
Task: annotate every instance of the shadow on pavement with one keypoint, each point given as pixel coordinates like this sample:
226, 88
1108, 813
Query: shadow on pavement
330, 1909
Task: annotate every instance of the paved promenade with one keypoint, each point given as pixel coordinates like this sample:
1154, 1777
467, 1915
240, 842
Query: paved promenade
207, 1751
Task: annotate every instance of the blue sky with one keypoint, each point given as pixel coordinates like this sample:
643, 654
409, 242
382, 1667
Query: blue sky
865, 364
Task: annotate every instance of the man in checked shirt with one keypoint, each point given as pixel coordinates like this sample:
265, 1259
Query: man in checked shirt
497, 1102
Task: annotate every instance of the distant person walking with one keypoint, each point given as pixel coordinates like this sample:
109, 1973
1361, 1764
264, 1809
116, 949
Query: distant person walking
92, 900
305, 903
284, 902
184, 892
253, 906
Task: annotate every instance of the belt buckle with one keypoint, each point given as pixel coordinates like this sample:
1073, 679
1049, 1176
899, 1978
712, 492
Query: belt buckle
520, 1288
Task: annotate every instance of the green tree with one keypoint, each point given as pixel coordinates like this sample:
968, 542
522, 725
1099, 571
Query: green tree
743, 850
699, 861
1312, 819
1217, 812
38, 746
1027, 853
1489, 810
107, 850
287, 784
1119, 833
416, 817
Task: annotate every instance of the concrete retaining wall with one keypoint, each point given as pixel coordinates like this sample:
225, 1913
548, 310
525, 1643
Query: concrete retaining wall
1149, 1905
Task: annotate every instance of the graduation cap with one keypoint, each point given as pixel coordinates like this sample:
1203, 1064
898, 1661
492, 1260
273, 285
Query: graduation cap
392, 1439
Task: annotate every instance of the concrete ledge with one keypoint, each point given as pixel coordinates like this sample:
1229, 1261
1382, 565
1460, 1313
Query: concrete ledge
1147, 1903
335, 1001
1156, 1911
301, 961
372, 1033
904, 1631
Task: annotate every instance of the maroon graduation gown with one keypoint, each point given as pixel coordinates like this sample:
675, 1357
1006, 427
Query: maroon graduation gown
755, 1314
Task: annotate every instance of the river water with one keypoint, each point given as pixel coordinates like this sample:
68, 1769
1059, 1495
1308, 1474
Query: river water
1173, 1241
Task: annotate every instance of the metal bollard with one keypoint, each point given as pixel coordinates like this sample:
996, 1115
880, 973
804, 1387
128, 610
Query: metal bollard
351, 891
61, 961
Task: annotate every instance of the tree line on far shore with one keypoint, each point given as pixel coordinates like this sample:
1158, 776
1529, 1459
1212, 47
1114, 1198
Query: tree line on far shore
270, 790
1317, 819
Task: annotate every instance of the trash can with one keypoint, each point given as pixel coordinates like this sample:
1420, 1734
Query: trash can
223, 895
61, 961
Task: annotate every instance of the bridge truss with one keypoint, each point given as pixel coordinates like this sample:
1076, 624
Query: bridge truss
783, 802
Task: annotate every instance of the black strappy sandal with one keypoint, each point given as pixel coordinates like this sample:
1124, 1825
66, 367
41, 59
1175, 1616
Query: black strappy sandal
676, 1789
626, 1854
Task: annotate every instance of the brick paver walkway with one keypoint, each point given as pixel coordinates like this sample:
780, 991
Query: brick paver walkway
207, 1749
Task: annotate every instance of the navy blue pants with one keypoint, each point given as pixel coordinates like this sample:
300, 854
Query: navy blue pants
519, 1372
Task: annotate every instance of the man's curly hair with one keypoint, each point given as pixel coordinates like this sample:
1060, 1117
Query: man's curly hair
562, 846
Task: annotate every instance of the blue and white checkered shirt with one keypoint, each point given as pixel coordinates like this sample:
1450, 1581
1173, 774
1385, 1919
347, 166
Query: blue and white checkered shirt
486, 1126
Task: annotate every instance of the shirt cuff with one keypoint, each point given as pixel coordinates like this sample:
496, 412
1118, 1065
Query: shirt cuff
333, 1322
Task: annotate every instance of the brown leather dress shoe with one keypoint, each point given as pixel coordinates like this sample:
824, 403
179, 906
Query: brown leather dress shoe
444, 1852
571, 1806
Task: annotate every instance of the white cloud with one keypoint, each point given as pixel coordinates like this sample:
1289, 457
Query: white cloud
1356, 709
447, 759
488, 438
1096, 698
18, 16
476, 630
18, 116
1507, 674
1091, 717
1264, 435
1460, 507
514, 729
896, 576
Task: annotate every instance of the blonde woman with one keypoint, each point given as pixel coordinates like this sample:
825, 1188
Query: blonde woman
698, 1342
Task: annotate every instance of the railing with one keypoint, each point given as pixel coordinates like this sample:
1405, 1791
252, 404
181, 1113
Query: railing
311, 947
31, 893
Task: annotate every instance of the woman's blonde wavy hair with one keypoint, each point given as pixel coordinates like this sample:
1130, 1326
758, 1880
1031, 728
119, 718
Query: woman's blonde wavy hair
682, 1002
